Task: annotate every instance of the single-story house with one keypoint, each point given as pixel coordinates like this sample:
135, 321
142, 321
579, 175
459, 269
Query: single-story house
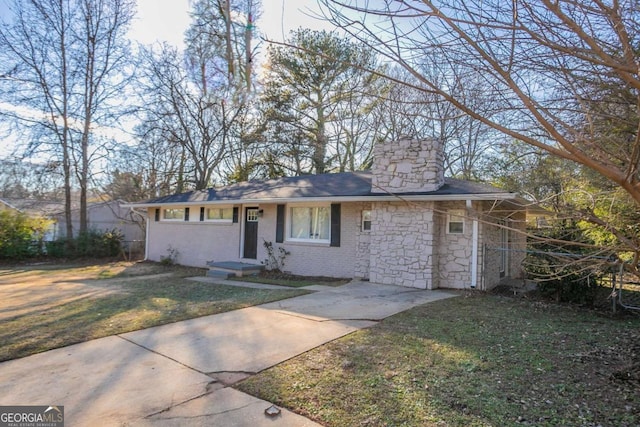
101, 216
403, 223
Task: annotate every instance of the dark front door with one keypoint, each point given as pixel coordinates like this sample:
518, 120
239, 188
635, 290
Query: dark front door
251, 233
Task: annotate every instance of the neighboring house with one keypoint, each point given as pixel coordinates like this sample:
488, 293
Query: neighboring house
402, 223
105, 216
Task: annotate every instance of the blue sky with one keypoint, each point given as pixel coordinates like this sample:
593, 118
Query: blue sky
166, 20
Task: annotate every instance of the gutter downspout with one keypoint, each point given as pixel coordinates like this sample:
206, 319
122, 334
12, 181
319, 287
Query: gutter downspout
146, 240
474, 249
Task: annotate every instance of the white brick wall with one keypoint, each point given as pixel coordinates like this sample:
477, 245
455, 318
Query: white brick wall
311, 259
196, 242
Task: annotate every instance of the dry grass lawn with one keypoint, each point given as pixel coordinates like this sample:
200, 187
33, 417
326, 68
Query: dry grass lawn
470, 361
49, 306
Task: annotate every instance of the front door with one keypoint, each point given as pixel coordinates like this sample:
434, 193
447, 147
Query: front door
251, 233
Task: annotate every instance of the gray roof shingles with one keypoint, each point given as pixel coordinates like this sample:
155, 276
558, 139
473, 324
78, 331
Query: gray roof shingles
345, 184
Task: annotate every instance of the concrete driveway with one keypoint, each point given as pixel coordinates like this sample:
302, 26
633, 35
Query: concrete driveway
178, 374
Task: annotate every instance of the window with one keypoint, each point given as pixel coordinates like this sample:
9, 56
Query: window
219, 214
455, 222
310, 223
253, 215
366, 220
173, 214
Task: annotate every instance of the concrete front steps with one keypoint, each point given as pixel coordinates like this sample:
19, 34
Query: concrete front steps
226, 269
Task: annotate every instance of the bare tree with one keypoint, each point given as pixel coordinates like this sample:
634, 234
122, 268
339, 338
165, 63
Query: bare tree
540, 60
403, 110
559, 75
24, 180
63, 63
220, 42
198, 102
196, 121
151, 168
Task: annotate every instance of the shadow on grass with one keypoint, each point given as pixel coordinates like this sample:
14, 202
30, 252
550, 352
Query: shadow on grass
137, 304
468, 361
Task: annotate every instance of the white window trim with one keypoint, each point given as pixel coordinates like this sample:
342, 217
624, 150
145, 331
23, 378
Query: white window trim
218, 221
162, 214
288, 218
456, 216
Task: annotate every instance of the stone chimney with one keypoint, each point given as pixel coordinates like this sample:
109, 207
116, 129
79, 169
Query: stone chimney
407, 166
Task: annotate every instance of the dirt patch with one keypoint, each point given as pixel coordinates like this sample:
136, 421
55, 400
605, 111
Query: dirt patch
30, 289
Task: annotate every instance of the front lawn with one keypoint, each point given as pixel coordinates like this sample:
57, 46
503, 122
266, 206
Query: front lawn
102, 300
479, 360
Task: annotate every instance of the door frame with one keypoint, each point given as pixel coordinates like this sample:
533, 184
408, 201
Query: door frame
245, 220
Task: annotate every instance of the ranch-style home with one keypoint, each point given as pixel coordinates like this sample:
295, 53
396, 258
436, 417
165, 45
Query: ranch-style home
403, 223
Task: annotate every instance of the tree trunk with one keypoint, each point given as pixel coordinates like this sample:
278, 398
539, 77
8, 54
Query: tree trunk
320, 143
66, 161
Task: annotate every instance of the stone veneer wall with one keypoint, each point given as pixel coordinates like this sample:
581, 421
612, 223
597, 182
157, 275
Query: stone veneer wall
402, 244
363, 243
456, 250
407, 166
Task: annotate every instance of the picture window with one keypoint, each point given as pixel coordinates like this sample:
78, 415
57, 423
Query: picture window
310, 224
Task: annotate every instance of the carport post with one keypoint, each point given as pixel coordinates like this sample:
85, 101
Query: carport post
474, 247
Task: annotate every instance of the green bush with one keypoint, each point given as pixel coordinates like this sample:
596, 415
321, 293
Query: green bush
566, 284
93, 244
21, 236
56, 248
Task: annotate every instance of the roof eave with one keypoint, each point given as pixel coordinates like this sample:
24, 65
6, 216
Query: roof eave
323, 199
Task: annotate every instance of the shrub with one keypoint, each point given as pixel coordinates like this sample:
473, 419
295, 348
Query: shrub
21, 236
93, 244
275, 256
565, 271
172, 256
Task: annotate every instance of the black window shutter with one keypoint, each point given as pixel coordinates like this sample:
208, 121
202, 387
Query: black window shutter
236, 210
202, 213
157, 214
186, 214
335, 224
280, 224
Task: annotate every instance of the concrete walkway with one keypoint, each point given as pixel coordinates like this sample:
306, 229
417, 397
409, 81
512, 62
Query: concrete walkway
178, 374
